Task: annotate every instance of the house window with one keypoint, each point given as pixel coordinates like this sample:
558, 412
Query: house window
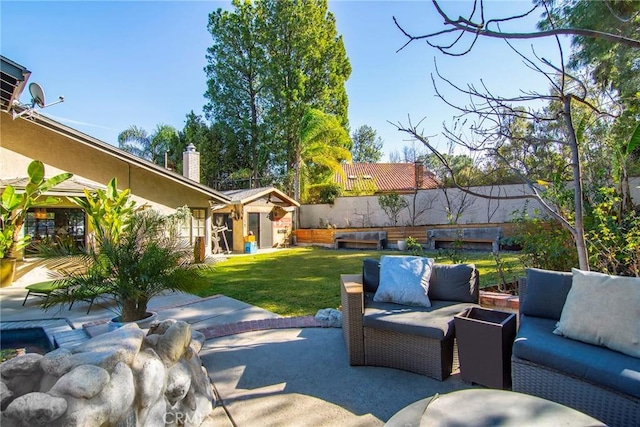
198, 222
55, 226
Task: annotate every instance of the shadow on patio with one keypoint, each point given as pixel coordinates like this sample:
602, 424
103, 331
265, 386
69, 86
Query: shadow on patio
302, 377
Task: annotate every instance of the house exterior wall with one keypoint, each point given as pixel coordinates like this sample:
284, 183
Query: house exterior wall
21, 141
364, 211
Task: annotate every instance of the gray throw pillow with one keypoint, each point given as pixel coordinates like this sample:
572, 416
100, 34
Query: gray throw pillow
454, 282
404, 280
370, 274
603, 310
546, 292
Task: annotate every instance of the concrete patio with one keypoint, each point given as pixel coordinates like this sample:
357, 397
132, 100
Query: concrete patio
264, 373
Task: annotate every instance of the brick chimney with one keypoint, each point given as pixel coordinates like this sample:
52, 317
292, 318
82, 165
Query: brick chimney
419, 173
191, 163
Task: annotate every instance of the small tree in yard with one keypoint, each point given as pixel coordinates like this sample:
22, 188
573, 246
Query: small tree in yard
392, 204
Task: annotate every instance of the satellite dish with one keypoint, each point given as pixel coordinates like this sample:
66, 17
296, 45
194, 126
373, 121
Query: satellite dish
37, 95
37, 98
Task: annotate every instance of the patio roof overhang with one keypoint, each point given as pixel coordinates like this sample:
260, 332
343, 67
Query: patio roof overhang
68, 188
13, 78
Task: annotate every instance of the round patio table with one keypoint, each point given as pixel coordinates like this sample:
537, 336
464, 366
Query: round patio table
487, 407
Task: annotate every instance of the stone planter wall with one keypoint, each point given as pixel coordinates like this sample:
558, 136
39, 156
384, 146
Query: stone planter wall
121, 378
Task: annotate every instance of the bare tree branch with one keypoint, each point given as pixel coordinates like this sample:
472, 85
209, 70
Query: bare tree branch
481, 29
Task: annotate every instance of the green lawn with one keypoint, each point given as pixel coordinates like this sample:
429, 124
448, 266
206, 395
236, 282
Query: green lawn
300, 281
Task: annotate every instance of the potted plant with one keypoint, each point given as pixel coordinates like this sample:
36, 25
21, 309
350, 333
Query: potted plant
13, 212
137, 255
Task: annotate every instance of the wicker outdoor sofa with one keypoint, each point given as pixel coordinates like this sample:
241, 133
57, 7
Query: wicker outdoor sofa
593, 379
416, 339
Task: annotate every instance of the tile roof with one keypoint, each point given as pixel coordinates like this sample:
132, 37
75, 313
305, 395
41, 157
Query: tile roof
399, 177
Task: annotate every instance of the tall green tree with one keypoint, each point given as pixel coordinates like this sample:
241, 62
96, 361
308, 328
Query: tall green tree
152, 147
308, 68
235, 86
367, 145
269, 63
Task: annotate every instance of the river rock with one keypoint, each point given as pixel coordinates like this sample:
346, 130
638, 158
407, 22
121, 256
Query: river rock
174, 342
35, 409
56, 362
178, 382
27, 364
5, 395
118, 379
84, 382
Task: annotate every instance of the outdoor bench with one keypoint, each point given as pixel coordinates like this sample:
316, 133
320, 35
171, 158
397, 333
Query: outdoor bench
411, 338
490, 235
376, 238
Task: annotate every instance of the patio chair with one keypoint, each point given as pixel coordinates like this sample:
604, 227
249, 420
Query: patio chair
44, 289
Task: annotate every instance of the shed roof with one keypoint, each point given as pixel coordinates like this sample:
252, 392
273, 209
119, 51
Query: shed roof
270, 194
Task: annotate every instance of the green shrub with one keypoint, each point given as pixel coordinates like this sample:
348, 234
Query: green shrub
613, 237
545, 244
414, 246
323, 193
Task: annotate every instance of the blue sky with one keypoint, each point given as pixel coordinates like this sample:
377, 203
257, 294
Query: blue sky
141, 63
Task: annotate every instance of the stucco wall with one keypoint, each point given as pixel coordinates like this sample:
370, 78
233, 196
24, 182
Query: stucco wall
23, 141
365, 211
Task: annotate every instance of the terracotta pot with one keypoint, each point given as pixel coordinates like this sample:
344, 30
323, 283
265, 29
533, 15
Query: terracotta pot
7, 271
145, 323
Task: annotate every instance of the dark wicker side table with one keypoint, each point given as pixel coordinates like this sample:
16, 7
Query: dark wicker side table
485, 338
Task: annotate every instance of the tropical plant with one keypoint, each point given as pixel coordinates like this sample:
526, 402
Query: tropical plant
164, 139
14, 207
138, 254
324, 145
107, 210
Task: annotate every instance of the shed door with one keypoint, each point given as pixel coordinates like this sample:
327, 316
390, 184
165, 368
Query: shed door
261, 226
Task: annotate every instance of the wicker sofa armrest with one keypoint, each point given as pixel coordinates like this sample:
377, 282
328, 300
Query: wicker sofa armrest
352, 296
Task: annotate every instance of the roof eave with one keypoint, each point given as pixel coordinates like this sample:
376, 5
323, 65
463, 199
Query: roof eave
127, 157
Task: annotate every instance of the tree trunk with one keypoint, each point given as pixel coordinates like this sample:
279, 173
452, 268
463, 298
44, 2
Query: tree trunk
133, 310
578, 229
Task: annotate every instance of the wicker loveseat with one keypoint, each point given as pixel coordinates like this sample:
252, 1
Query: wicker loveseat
416, 339
592, 379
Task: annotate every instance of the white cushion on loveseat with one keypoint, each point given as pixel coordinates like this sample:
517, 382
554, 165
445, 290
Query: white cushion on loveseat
603, 310
404, 280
